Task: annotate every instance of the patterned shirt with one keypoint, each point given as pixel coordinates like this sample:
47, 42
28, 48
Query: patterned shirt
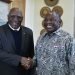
53, 53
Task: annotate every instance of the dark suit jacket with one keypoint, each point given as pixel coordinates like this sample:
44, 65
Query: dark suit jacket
9, 60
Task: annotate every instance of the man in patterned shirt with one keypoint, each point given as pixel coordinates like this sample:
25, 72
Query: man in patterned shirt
53, 48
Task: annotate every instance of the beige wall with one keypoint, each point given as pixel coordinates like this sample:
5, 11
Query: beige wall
33, 19
68, 16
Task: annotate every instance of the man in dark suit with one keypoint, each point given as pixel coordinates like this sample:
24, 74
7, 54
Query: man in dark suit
16, 46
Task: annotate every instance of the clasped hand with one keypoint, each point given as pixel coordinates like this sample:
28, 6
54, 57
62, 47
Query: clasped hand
27, 63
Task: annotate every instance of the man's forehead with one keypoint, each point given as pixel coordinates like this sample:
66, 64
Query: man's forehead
15, 12
53, 14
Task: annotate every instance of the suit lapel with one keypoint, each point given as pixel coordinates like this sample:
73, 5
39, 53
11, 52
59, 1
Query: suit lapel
10, 38
24, 38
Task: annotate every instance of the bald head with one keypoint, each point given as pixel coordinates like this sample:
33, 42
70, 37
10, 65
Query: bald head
15, 18
16, 11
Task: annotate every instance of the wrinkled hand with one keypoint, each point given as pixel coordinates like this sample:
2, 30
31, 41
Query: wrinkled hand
31, 63
26, 62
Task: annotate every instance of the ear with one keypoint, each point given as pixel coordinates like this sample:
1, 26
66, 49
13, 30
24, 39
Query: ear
8, 16
22, 18
61, 23
43, 23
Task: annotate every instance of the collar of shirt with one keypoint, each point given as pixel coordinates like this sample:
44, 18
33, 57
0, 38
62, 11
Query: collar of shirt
14, 29
57, 32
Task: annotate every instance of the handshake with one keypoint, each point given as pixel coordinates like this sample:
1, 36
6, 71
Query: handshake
27, 63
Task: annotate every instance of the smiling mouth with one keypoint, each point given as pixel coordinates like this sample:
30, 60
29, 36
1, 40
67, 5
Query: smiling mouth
50, 27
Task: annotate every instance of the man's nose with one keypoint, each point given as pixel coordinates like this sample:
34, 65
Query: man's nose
15, 18
49, 22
